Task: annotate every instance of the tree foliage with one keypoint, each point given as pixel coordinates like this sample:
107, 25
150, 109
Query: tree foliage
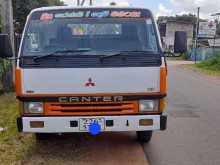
188, 18
22, 8
0, 20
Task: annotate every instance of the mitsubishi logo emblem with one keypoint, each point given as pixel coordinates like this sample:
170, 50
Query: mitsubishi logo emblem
90, 83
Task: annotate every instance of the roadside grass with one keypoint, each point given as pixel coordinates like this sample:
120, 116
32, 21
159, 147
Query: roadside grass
175, 58
182, 57
13, 145
202, 70
210, 66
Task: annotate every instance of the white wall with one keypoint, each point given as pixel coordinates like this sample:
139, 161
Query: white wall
172, 27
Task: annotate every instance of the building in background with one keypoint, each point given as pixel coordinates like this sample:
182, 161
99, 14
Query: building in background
169, 27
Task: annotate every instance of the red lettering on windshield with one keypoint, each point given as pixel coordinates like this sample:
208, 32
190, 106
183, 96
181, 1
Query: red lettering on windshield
46, 17
133, 14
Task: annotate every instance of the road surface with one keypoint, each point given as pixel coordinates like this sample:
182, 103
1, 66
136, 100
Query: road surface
193, 135
192, 138
83, 149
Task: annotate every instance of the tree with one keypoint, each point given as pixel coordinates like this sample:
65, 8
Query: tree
22, 8
188, 18
113, 4
0, 21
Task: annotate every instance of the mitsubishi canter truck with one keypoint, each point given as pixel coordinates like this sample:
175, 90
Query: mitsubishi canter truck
90, 69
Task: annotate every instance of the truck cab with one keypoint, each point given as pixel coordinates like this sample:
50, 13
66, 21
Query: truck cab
90, 69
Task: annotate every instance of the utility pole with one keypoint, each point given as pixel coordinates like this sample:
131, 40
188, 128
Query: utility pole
81, 3
7, 19
8, 28
197, 34
78, 2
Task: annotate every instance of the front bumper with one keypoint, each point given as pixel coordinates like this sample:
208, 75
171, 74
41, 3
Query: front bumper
117, 123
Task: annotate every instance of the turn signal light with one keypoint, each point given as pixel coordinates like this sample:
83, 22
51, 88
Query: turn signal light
162, 105
146, 122
36, 124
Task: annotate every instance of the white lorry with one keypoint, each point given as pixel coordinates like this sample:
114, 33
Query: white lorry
90, 69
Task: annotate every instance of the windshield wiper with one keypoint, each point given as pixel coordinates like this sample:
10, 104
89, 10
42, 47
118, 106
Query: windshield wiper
61, 52
111, 55
124, 53
138, 51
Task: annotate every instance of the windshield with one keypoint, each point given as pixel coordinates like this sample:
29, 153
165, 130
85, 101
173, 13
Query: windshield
95, 34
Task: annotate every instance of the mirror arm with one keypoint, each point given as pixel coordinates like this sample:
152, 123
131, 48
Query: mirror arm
14, 58
165, 60
169, 52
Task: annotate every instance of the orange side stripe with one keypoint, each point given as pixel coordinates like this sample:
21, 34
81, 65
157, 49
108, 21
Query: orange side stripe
18, 82
163, 80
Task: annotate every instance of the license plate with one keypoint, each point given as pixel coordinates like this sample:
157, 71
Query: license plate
85, 123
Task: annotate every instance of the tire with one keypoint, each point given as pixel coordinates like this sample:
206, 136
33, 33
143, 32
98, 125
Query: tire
42, 136
144, 136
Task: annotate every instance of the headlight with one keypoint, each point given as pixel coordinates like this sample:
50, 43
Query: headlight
149, 105
33, 107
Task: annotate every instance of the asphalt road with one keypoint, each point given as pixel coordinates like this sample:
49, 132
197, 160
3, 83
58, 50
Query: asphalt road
192, 137
83, 149
193, 134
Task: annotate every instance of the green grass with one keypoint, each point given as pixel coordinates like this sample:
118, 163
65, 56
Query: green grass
202, 70
13, 145
183, 56
175, 58
210, 66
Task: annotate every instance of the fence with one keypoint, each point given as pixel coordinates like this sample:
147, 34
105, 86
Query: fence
201, 54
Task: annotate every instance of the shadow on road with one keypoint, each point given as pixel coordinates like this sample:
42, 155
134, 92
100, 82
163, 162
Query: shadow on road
82, 148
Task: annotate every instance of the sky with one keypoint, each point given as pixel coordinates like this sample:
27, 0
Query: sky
166, 7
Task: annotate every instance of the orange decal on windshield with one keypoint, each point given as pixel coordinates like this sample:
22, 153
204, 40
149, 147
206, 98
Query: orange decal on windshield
46, 17
133, 14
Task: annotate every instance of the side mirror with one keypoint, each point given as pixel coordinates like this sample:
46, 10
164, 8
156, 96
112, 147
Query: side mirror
5, 46
180, 43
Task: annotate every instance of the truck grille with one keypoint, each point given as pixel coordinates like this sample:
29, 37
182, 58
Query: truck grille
91, 108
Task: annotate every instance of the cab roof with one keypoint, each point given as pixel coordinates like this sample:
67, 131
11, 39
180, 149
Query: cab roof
85, 7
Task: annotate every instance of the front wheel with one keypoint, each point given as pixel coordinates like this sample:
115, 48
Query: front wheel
144, 136
42, 136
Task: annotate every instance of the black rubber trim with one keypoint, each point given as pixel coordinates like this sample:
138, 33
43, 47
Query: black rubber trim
137, 60
19, 124
74, 123
109, 123
133, 114
163, 123
56, 99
